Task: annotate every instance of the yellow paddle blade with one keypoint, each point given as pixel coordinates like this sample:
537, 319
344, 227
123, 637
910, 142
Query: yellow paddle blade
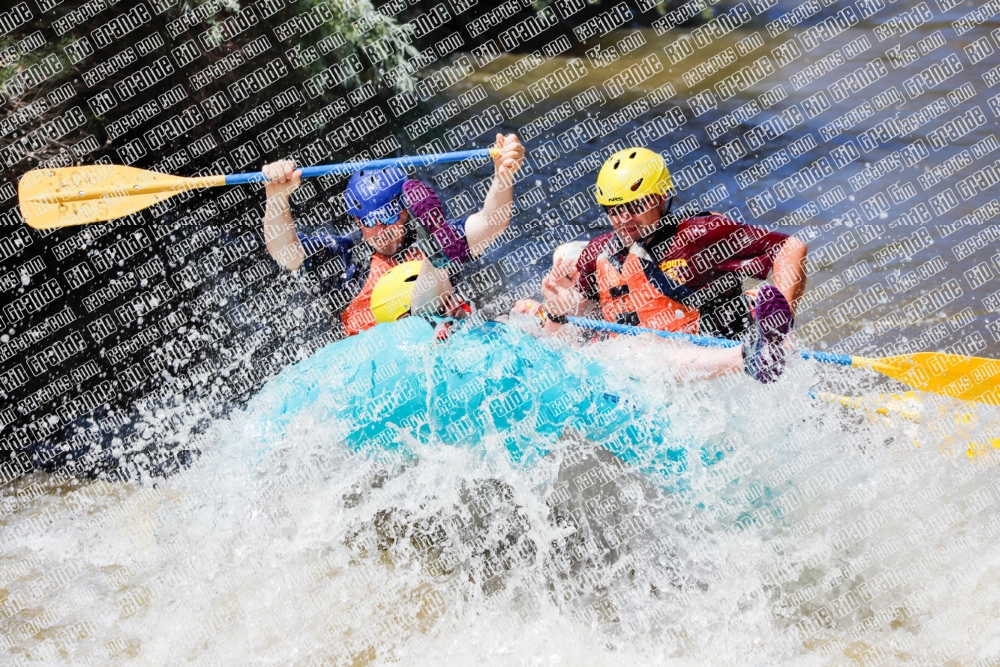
960, 429
98, 193
967, 378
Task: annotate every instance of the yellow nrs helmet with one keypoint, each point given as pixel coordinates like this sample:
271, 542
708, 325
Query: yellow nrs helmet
632, 174
393, 292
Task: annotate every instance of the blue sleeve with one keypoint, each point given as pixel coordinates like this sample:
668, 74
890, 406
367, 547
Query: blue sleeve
458, 224
324, 249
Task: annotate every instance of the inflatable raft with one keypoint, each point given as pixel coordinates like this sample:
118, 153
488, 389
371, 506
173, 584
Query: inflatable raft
396, 385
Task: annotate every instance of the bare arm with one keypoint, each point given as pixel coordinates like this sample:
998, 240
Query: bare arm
485, 225
432, 290
790, 270
561, 295
279, 230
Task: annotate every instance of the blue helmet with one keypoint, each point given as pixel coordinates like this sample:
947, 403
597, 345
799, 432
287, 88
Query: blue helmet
373, 195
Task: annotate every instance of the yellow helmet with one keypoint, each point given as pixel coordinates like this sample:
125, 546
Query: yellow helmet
632, 174
393, 292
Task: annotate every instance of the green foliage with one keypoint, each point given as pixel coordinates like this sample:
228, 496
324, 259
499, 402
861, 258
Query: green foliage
33, 53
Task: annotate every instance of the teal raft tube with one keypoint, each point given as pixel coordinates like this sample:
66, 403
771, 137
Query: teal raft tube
396, 384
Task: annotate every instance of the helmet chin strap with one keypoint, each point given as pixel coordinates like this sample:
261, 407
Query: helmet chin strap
666, 217
667, 204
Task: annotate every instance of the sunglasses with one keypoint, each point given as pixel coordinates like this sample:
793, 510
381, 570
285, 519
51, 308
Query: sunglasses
390, 214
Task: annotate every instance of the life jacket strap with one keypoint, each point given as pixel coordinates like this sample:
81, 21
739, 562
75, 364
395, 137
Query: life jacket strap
618, 290
630, 318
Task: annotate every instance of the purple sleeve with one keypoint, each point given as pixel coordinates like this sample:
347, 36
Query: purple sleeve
749, 250
756, 250
586, 266
424, 203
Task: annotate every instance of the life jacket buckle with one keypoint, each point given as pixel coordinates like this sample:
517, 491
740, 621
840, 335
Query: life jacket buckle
618, 291
630, 319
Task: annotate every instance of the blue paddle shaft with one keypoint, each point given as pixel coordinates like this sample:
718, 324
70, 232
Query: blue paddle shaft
828, 357
351, 167
598, 325
704, 341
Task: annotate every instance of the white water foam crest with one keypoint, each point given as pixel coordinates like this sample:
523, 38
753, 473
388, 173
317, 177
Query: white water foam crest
822, 534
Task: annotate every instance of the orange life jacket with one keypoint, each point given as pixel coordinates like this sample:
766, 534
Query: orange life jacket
628, 297
358, 317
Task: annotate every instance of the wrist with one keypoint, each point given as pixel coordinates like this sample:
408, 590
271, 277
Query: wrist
547, 317
552, 307
503, 180
567, 303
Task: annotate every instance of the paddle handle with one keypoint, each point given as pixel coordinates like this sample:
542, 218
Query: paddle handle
351, 167
704, 341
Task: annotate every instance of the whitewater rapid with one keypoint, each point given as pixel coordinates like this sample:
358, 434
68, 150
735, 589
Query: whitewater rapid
815, 534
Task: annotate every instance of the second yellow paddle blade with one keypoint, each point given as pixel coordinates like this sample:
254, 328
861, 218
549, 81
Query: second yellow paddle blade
967, 378
80, 195
906, 405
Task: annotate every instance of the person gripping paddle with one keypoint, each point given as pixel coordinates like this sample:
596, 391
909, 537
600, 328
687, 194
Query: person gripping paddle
659, 271
762, 357
400, 219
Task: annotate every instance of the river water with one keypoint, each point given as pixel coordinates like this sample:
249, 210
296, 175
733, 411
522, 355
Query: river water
826, 535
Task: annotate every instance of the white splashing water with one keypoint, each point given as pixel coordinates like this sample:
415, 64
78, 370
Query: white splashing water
824, 535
